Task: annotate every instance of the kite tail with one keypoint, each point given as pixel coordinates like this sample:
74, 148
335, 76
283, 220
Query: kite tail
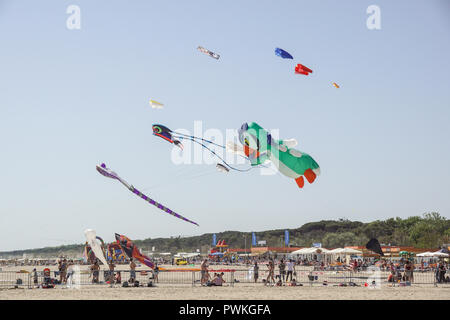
160, 206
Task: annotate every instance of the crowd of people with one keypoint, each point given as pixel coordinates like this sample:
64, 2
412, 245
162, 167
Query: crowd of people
278, 271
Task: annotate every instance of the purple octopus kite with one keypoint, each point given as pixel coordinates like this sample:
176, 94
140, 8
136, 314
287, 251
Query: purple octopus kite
111, 174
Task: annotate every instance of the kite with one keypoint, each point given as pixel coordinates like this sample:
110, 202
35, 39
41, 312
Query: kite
336, 85
132, 251
172, 136
301, 69
102, 169
115, 253
91, 238
208, 52
222, 168
165, 133
156, 105
375, 246
283, 54
260, 147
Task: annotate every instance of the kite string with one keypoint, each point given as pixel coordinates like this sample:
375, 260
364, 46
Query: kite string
214, 153
180, 178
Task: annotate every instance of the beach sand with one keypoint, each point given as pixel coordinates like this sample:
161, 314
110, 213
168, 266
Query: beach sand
242, 291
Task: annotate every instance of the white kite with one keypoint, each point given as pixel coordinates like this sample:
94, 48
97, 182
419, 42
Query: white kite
156, 105
91, 238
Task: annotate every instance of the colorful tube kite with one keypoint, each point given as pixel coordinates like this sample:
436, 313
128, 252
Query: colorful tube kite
260, 147
103, 170
132, 251
208, 52
283, 54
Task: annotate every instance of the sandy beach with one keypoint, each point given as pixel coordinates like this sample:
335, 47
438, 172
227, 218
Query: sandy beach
239, 291
244, 292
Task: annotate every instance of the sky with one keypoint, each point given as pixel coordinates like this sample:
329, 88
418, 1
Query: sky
73, 98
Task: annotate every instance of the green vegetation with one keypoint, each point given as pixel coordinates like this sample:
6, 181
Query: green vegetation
429, 231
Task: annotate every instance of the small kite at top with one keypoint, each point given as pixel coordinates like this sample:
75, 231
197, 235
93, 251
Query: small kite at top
301, 69
208, 52
156, 105
283, 54
336, 85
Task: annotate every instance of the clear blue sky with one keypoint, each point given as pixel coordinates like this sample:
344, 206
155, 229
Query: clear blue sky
70, 99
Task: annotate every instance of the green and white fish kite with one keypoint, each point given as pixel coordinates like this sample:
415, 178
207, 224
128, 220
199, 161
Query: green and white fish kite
259, 147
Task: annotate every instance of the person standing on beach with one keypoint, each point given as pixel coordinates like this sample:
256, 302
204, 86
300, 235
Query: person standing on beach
282, 267
204, 272
111, 273
95, 271
271, 272
62, 275
156, 272
70, 272
132, 271
291, 269
255, 271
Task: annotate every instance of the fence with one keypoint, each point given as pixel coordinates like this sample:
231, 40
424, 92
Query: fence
317, 277
14, 279
22, 279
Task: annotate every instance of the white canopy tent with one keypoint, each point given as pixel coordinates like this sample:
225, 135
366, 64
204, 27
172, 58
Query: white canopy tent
344, 252
312, 250
350, 251
439, 254
425, 254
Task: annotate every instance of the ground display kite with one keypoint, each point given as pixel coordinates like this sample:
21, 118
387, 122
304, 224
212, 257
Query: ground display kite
208, 52
132, 251
283, 54
260, 147
115, 253
156, 105
102, 169
375, 246
92, 241
301, 69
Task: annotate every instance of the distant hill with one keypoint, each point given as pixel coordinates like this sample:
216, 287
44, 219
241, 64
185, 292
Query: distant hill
430, 230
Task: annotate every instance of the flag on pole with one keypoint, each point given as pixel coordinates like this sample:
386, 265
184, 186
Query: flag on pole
286, 238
